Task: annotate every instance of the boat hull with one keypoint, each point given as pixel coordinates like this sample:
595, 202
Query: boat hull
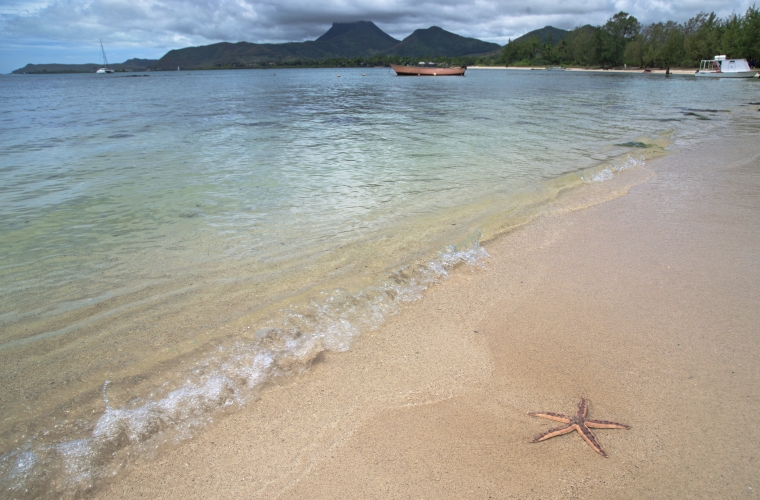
727, 74
419, 71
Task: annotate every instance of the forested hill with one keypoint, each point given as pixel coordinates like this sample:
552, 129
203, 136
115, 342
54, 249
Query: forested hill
352, 39
348, 40
623, 41
437, 42
544, 35
129, 65
361, 39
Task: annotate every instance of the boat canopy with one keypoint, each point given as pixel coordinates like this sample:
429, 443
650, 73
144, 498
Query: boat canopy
722, 65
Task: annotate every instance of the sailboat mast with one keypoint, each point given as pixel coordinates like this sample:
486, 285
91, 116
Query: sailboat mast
105, 61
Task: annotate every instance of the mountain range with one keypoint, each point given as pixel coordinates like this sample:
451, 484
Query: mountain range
360, 39
343, 40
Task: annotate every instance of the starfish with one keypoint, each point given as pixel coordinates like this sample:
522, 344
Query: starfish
578, 423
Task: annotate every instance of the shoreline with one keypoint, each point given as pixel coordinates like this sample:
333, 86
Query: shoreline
677, 71
638, 70
645, 305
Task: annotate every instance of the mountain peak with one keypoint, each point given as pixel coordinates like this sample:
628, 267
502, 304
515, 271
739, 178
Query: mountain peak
339, 29
435, 41
356, 39
544, 34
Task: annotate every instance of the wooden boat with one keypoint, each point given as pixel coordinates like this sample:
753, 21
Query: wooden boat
428, 70
720, 67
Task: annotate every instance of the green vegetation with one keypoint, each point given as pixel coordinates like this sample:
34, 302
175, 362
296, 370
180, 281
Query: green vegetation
623, 41
544, 35
42, 69
436, 42
360, 62
360, 43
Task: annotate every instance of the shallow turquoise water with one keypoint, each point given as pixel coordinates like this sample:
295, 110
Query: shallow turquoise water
189, 236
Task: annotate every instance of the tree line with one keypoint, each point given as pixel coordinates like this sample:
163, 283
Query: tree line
356, 62
622, 40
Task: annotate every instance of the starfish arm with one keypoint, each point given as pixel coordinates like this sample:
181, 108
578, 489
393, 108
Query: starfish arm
582, 409
558, 431
606, 424
552, 416
586, 433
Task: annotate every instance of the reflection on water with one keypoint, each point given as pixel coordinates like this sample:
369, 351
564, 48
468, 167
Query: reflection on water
190, 237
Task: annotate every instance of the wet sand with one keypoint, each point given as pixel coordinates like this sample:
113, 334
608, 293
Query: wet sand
646, 305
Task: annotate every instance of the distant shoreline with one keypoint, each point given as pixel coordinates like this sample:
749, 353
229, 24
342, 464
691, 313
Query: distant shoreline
673, 71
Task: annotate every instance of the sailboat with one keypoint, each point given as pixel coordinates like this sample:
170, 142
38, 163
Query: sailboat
105, 68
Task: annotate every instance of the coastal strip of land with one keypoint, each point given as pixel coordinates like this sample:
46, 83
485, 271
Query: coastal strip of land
646, 306
654, 71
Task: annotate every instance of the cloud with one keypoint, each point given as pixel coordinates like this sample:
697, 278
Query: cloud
168, 24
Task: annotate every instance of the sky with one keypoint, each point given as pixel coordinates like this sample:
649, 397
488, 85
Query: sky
69, 31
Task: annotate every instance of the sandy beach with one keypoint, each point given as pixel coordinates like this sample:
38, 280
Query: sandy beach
673, 71
646, 305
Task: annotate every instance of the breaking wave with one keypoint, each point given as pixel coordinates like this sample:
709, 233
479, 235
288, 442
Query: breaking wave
607, 172
230, 377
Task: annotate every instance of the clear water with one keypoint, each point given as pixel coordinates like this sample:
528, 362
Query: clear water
191, 236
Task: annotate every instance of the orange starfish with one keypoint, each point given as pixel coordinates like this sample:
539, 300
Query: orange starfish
578, 423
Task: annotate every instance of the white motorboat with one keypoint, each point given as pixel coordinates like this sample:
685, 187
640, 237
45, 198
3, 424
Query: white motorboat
105, 68
721, 67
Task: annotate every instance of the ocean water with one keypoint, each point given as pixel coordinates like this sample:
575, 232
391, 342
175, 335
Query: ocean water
171, 244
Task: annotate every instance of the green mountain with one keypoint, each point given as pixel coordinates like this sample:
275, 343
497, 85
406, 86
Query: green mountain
237, 54
129, 65
350, 40
435, 41
357, 39
544, 34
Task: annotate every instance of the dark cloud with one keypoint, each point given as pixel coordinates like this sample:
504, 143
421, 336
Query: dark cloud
160, 25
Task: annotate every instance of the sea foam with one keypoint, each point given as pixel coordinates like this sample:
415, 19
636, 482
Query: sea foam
231, 376
607, 172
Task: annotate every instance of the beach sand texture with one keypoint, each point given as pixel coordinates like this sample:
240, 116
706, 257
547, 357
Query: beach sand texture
647, 306
654, 71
